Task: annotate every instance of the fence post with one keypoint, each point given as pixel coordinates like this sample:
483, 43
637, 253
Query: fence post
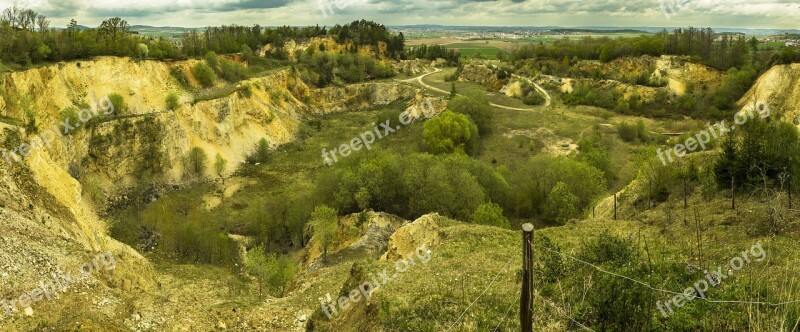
526, 299
790, 192
733, 193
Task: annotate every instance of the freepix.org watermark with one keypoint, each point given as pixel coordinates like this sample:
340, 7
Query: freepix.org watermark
672, 7
326, 6
48, 288
335, 308
714, 131
713, 279
46, 137
368, 138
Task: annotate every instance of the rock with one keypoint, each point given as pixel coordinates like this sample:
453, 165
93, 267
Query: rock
136, 317
407, 239
221, 325
28, 311
303, 318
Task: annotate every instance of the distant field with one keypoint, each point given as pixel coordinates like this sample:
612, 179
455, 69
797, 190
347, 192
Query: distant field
470, 49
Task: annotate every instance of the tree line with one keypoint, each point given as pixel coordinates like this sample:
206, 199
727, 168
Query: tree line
28, 38
719, 50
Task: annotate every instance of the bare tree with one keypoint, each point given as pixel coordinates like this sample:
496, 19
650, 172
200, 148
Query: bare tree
43, 23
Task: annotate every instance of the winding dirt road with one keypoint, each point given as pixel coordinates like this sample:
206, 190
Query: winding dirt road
419, 80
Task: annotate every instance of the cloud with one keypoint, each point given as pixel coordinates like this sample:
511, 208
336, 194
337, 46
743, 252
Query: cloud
715, 13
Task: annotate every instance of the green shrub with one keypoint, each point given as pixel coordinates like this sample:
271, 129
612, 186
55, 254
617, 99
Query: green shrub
324, 225
178, 75
534, 98
450, 132
172, 101
232, 71
261, 153
476, 106
70, 114
204, 74
212, 60
363, 217
119, 103
490, 214
633, 133
196, 161
561, 204
270, 269
246, 90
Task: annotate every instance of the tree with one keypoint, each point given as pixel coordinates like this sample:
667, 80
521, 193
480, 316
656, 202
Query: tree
280, 272
204, 74
212, 60
324, 225
219, 165
450, 132
261, 153
477, 107
142, 51
172, 101
453, 92
490, 214
561, 204
196, 161
257, 265
276, 271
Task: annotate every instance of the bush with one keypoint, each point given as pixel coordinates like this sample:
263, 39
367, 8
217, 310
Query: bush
633, 133
196, 161
410, 185
324, 225
232, 71
490, 214
172, 101
70, 114
212, 60
178, 75
119, 103
450, 132
261, 153
204, 74
530, 195
534, 98
476, 106
561, 204
270, 269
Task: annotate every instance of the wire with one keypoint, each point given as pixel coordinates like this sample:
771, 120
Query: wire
666, 290
505, 316
479, 296
558, 309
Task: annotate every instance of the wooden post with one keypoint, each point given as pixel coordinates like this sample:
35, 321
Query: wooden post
592, 212
699, 239
615, 206
790, 192
733, 193
684, 193
526, 299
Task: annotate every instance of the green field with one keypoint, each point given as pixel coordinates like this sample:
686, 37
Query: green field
469, 50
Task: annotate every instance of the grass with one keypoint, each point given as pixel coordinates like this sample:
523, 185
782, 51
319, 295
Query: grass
469, 50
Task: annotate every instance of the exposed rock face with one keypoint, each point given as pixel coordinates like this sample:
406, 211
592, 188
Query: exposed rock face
375, 240
48, 212
423, 231
779, 87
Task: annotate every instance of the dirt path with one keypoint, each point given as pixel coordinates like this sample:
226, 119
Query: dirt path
541, 90
418, 80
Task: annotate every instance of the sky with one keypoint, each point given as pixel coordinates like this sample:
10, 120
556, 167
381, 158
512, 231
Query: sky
781, 14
